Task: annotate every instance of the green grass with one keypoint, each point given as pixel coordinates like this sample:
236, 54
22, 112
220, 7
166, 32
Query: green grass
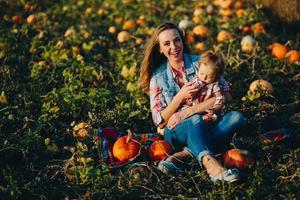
50, 82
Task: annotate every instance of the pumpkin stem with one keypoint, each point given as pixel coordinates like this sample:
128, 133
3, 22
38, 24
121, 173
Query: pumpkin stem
129, 136
233, 140
288, 43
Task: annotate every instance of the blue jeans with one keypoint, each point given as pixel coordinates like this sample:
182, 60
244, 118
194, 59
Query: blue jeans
194, 135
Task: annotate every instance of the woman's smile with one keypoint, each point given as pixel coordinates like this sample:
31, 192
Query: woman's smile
170, 44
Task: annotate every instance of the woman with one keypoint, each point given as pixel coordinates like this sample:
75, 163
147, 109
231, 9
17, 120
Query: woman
166, 70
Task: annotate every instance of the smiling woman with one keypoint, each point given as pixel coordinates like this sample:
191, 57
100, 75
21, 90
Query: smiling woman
166, 74
171, 46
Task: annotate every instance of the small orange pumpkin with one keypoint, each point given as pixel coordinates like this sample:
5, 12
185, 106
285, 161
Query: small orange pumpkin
226, 12
201, 31
101, 11
238, 158
160, 149
140, 22
293, 56
279, 50
118, 20
138, 40
198, 11
200, 46
112, 29
225, 3
224, 35
123, 36
30, 19
126, 148
128, 25
258, 28
238, 4
240, 12
17, 19
197, 20
27, 6
190, 37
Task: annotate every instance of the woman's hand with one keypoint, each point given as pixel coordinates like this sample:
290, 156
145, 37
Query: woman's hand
187, 91
176, 118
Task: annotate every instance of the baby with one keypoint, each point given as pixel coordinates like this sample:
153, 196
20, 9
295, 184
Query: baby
211, 68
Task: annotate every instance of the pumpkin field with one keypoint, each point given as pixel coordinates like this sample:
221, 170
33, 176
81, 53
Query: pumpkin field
69, 68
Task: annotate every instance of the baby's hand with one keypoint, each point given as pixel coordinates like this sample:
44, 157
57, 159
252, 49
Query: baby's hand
209, 112
160, 131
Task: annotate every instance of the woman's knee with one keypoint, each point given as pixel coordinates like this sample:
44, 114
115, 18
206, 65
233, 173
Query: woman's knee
196, 119
236, 118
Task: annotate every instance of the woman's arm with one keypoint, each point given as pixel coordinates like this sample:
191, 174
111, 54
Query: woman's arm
161, 112
185, 92
195, 109
201, 107
183, 114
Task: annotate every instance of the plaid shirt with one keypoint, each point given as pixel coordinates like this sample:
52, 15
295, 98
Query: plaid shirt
207, 91
157, 97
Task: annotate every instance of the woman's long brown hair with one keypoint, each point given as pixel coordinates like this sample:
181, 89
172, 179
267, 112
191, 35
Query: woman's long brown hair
152, 56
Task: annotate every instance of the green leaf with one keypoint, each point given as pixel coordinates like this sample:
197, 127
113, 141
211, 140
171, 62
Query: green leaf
54, 109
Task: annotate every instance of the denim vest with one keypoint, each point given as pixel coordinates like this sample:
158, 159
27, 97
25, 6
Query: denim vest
164, 78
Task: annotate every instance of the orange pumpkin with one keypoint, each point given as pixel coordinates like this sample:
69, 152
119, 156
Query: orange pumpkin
138, 40
226, 12
141, 21
238, 4
128, 25
30, 19
200, 46
240, 12
225, 3
197, 19
201, 31
198, 11
190, 37
238, 158
123, 36
118, 20
292, 56
17, 19
126, 148
224, 35
258, 28
112, 29
160, 149
88, 10
27, 6
101, 11
279, 50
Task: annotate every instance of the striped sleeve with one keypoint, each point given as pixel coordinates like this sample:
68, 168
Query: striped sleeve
216, 91
157, 102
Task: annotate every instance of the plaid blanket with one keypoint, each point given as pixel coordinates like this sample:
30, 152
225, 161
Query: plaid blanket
106, 138
275, 135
